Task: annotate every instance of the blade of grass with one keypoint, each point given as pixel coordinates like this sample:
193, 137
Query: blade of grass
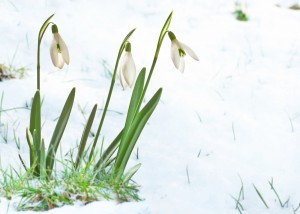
128, 175
260, 196
22, 162
111, 149
277, 195
238, 205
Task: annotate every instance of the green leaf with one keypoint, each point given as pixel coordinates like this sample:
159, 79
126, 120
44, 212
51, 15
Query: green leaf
128, 175
85, 135
36, 145
134, 102
58, 132
133, 134
35, 119
31, 147
44, 27
135, 98
42, 163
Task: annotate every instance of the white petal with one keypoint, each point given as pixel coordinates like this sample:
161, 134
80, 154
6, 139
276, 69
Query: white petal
175, 53
189, 51
122, 80
54, 53
181, 65
64, 50
60, 63
56, 36
128, 69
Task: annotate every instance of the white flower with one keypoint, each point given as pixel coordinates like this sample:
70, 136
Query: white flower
178, 51
58, 50
127, 69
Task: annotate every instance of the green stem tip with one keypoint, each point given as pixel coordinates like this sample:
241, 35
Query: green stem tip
171, 35
54, 28
128, 47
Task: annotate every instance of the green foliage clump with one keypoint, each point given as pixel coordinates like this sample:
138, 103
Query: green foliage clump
239, 12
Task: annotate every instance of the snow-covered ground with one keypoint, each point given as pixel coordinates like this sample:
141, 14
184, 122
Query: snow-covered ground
233, 116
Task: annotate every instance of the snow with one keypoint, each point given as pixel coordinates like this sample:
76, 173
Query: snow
233, 116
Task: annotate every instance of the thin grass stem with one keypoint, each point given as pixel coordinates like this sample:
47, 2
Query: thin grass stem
260, 196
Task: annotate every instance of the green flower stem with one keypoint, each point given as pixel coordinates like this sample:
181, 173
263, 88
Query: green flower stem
122, 47
163, 32
116, 141
41, 34
38, 59
38, 86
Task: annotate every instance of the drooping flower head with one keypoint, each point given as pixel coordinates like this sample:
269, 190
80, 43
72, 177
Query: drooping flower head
127, 69
178, 52
58, 50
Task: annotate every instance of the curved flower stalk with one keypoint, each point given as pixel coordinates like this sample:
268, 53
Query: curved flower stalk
121, 49
40, 37
127, 69
178, 52
58, 50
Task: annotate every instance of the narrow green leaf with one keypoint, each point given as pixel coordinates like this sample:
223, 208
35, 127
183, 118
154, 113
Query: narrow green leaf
42, 162
58, 132
135, 98
23, 163
133, 134
128, 175
31, 147
36, 145
134, 102
85, 135
35, 118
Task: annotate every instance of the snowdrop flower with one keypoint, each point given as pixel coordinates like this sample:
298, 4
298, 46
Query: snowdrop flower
178, 51
58, 49
127, 70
